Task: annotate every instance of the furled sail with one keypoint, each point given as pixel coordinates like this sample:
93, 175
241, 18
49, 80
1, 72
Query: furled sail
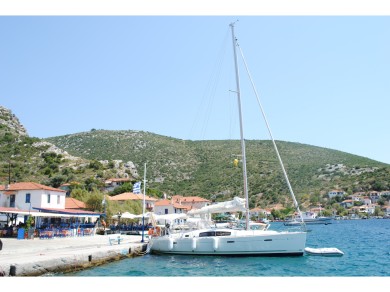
235, 205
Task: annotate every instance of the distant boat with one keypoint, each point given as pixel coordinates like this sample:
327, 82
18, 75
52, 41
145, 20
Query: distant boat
309, 218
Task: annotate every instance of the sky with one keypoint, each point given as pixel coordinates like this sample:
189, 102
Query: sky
321, 69
322, 78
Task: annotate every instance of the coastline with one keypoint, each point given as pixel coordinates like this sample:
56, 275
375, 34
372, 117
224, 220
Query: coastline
38, 257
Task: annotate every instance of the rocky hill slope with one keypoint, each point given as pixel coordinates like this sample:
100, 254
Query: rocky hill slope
174, 166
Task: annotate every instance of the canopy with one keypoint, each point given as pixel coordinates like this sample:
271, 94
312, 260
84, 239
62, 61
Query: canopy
43, 214
125, 215
170, 217
235, 205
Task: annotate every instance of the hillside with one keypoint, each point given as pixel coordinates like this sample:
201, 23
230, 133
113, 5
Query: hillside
205, 168
174, 166
24, 158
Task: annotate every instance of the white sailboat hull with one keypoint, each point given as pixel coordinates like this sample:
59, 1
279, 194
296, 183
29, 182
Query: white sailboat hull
240, 242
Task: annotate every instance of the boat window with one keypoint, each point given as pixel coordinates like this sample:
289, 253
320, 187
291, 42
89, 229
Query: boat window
223, 233
214, 233
207, 233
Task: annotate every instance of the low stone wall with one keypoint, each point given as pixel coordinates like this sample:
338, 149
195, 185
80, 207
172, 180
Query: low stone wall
38, 262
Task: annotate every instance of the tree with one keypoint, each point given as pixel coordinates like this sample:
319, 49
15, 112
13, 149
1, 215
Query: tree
95, 165
58, 180
92, 183
79, 194
94, 201
126, 187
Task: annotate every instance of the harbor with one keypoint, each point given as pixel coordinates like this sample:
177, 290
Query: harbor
37, 257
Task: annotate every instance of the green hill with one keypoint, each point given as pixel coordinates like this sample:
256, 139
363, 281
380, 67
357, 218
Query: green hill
174, 166
205, 168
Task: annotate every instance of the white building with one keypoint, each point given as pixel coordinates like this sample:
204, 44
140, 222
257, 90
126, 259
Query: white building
18, 200
164, 207
27, 195
335, 193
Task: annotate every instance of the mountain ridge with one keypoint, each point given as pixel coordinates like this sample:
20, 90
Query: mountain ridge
186, 167
206, 168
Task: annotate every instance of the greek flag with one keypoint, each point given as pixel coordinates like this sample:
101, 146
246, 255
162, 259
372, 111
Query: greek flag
137, 188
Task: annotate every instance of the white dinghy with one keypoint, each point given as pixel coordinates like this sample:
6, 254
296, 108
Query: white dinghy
325, 251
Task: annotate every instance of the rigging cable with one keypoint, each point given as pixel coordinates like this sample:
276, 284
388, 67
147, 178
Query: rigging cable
273, 141
210, 91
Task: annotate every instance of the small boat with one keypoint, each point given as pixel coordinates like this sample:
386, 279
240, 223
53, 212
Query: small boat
324, 251
309, 218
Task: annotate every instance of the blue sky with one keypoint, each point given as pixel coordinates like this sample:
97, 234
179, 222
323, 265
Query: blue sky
323, 80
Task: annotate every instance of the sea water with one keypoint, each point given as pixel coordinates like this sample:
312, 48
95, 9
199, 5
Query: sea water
365, 243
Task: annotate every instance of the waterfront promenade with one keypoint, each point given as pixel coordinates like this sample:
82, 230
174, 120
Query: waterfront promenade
36, 257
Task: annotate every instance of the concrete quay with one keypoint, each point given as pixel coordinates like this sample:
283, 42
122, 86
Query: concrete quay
37, 257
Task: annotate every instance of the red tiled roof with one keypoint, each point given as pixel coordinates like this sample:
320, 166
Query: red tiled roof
130, 196
28, 186
193, 199
163, 203
72, 203
178, 206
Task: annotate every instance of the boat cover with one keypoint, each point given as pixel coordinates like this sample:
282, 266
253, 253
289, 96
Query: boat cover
235, 205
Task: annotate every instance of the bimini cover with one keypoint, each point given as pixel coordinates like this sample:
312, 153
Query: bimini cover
235, 205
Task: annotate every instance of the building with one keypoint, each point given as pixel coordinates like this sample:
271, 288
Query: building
20, 200
346, 204
72, 203
163, 207
149, 201
366, 201
259, 213
375, 196
28, 195
336, 193
386, 210
112, 183
179, 204
194, 202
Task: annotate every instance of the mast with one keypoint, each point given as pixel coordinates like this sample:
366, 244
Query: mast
143, 207
244, 173
273, 142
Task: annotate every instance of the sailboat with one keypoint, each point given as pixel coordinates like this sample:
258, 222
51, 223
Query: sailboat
199, 237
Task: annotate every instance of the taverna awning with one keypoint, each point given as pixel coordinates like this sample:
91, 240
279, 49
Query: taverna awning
40, 212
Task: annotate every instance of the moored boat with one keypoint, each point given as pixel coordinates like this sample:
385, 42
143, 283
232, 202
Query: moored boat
308, 218
205, 238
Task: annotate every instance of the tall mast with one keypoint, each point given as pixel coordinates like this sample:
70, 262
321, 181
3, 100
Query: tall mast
143, 207
244, 173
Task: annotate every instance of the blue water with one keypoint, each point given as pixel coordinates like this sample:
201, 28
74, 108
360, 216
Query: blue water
365, 243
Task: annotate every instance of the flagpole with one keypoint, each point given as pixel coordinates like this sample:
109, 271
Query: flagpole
143, 207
